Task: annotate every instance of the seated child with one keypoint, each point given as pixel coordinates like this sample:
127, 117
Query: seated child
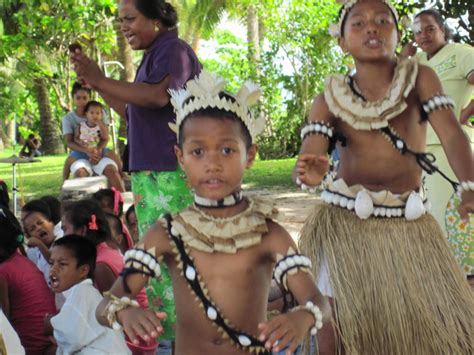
132, 223
86, 218
375, 250
89, 134
31, 147
24, 295
111, 201
222, 250
75, 327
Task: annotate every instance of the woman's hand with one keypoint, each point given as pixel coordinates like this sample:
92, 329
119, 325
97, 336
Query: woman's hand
138, 322
409, 50
86, 69
287, 330
310, 169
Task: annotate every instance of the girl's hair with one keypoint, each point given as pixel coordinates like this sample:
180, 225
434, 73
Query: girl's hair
11, 237
38, 206
112, 198
158, 10
87, 213
77, 86
54, 207
130, 210
93, 103
4, 197
83, 250
448, 33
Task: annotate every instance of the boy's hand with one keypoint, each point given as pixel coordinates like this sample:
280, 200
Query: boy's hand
310, 168
467, 204
287, 330
138, 322
34, 242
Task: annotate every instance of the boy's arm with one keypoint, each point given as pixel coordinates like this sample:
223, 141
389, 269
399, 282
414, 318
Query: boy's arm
312, 163
455, 143
103, 277
290, 329
36, 243
135, 321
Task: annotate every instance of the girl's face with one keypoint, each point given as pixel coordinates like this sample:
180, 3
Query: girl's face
429, 36
214, 156
36, 225
370, 32
64, 272
138, 30
80, 98
94, 115
68, 228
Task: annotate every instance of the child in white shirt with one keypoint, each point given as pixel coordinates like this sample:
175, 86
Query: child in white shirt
75, 327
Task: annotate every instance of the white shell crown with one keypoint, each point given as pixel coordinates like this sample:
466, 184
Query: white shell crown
207, 91
335, 30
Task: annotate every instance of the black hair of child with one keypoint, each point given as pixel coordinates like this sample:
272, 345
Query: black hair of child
158, 10
38, 206
107, 196
448, 33
115, 223
11, 236
130, 210
31, 136
4, 196
82, 249
93, 103
218, 114
80, 214
77, 86
54, 207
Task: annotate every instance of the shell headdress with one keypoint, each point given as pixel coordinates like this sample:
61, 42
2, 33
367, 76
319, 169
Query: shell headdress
335, 29
205, 91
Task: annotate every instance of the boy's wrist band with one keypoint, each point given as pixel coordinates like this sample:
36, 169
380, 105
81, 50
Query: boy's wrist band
315, 311
465, 186
308, 188
116, 305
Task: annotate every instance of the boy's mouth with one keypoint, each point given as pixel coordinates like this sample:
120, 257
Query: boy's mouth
374, 43
214, 182
53, 281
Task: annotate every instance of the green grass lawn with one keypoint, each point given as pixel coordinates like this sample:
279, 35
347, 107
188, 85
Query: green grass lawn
44, 178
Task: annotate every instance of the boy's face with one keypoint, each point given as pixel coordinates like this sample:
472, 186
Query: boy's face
37, 226
94, 115
64, 272
370, 32
214, 156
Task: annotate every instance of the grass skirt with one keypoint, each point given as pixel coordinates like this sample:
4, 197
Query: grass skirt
397, 288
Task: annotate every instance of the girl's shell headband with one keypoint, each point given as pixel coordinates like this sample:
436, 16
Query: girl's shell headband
205, 91
335, 30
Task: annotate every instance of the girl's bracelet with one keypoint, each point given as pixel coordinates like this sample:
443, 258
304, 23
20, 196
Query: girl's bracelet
465, 186
116, 305
304, 187
315, 311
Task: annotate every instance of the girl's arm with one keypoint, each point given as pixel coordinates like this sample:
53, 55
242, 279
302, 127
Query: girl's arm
140, 94
4, 300
104, 136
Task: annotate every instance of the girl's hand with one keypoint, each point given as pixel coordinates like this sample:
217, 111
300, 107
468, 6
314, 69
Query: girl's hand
467, 204
287, 330
34, 242
310, 168
138, 322
86, 69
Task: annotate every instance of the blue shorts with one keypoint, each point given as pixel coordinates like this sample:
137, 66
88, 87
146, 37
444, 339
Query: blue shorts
81, 155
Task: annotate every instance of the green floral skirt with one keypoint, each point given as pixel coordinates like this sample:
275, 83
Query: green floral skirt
157, 193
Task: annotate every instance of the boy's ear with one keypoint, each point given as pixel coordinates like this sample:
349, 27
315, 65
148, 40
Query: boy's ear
251, 155
84, 271
179, 154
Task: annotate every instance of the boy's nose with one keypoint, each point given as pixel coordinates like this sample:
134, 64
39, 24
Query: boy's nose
213, 162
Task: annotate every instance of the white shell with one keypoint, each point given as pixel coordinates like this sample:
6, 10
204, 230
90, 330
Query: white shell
471, 185
426, 108
399, 212
336, 199
116, 326
174, 232
324, 129
388, 213
350, 204
427, 205
343, 202
139, 255
317, 127
132, 253
146, 259
414, 208
363, 205
437, 100
298, 260
157, 270
290, 262
383, 211
465, 185
377, 212
211, 313
400, 144
244, 340
190, 273
152, 264
329, 132
431, 104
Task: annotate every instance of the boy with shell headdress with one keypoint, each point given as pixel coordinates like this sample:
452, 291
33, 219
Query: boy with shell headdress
375, 249
220, 251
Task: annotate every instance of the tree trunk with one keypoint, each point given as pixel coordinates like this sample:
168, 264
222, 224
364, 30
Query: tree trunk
253, 39
196, 41
49, 134
127, 74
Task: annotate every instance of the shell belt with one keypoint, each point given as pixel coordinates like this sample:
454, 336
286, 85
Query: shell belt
238, 338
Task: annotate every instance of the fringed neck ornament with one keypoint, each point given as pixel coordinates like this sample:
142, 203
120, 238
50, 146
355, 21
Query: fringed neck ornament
228, 201
347, 104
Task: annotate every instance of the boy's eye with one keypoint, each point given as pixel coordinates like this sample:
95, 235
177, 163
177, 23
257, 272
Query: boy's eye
357, 23
197, 152
227, 150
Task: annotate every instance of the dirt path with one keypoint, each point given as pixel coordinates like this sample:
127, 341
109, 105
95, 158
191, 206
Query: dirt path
294, 207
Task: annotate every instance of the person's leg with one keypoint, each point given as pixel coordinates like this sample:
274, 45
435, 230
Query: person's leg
67, 167
108, 168
114, 156
81, 168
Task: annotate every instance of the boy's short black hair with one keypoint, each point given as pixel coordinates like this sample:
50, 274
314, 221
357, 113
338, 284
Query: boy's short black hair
82, 249
54, 207
37, 206
93, 103
218, 114
31, 135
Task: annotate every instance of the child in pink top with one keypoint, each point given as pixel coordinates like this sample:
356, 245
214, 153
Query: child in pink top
24, 296
87, 219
